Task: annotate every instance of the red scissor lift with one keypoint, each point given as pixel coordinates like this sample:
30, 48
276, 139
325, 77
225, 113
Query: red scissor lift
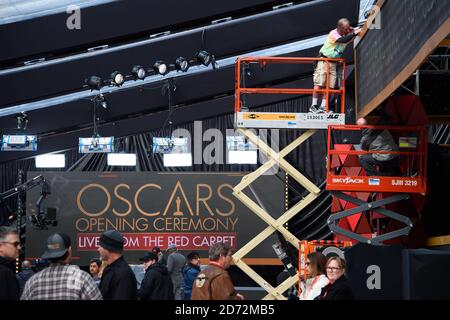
360, 202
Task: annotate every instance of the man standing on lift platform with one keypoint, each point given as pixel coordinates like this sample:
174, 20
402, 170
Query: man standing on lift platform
333, 48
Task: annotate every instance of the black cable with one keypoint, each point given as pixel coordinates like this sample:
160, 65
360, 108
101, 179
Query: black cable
95, 117
203, 39
170, 85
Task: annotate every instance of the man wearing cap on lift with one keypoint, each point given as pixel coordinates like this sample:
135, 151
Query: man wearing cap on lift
61, 280
118, 281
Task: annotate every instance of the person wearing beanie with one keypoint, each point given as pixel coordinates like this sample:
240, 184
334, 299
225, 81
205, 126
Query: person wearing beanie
60, 280
118, 281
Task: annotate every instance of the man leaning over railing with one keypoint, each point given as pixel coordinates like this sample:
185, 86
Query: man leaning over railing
334, 47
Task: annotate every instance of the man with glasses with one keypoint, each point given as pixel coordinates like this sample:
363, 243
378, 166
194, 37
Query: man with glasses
214, 282
9, 252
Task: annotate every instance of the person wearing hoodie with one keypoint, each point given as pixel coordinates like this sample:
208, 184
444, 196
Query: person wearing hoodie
9, 252
156, 284
190, 272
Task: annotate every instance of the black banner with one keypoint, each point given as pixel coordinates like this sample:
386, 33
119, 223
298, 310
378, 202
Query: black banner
191, 210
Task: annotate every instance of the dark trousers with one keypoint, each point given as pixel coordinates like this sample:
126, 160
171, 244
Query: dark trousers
375, 167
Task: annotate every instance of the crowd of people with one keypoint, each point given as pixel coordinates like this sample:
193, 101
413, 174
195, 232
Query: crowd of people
168, 276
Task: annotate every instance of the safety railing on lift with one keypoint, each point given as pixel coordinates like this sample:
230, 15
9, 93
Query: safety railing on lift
405, 171
254, 119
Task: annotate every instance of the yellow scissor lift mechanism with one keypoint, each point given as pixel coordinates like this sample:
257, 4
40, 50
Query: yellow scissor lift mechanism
250, 120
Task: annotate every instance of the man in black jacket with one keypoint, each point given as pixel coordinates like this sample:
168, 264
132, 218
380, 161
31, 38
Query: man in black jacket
157, 284
9, 252
118, 281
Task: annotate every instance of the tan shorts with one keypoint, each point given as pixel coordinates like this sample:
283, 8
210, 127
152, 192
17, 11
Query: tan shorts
320, 74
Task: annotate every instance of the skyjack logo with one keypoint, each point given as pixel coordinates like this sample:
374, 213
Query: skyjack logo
347, 180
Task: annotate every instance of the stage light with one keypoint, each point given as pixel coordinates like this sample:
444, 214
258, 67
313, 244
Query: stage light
177, 160
204, 58
51, 161
161, 67
241, 151
181, 64
94, 82
96, 144
122, 159
175, 151
243, 157
117, 78
138, 72
17, 142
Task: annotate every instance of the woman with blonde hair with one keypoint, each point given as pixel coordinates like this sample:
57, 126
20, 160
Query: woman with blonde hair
338, 288
311, 287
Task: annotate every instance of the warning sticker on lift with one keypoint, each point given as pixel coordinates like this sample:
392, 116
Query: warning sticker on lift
269, 116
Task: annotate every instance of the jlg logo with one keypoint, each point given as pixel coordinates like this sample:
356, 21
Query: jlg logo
333, 116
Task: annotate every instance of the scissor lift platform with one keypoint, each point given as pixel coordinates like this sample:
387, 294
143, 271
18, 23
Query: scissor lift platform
285, 120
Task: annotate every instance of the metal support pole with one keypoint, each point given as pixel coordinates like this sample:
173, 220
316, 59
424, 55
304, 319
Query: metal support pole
20, 214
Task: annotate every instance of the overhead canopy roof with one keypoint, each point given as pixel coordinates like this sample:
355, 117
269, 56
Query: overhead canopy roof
47, 89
